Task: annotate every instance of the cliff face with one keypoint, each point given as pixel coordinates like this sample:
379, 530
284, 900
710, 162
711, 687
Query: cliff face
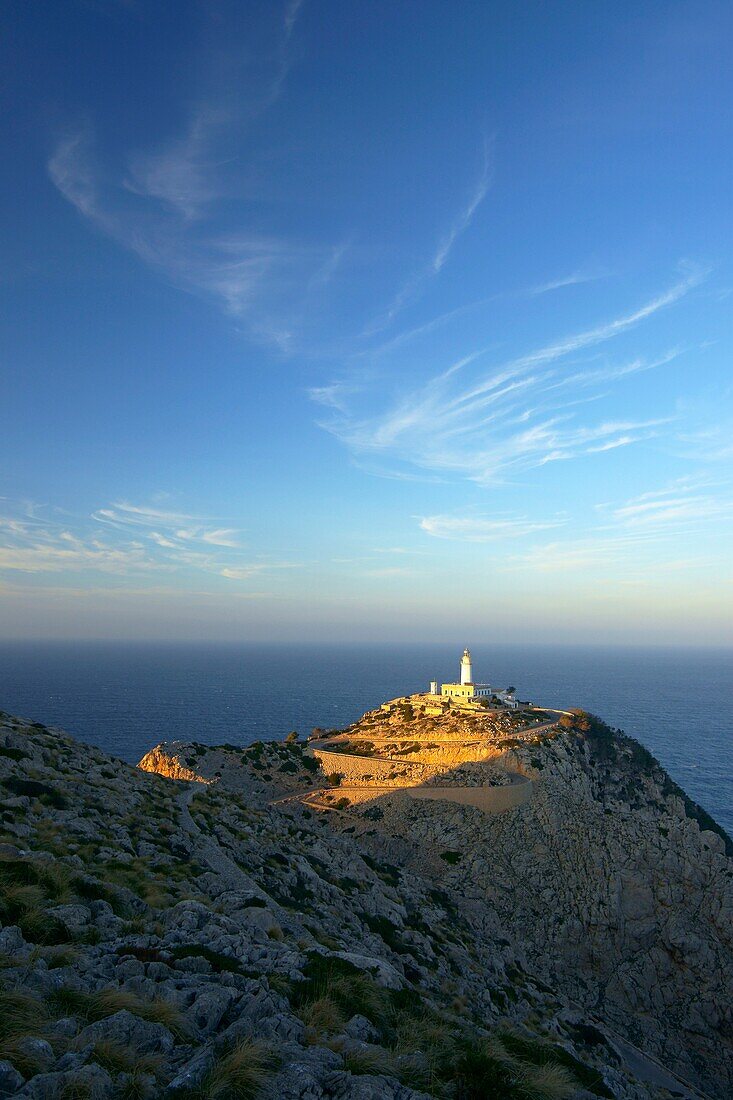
162, 936
611, 887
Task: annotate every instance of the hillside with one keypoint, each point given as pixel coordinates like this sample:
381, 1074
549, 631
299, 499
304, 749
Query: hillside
233, 922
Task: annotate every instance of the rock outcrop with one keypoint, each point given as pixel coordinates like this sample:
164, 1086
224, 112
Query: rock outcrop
191, 928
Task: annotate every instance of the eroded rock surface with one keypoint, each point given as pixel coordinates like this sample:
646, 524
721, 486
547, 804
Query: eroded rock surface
163, 926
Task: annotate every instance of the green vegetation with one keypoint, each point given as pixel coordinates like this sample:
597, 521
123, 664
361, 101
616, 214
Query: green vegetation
216, 960
542, 1053
613, 746
21, 1015
442, 1055
451, 857
12, 754
27, 888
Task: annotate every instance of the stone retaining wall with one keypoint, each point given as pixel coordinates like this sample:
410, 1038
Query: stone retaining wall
492, 800
355, 768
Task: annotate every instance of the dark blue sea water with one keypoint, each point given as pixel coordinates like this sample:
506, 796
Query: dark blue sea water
126, 698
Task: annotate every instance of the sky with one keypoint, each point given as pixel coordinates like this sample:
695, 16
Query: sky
336, 321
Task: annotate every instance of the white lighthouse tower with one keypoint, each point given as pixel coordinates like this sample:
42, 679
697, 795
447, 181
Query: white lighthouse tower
468, 690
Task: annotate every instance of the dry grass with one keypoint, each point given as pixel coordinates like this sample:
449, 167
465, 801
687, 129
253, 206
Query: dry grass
369, 1060
321, 1017
548, 1082
117, 1058
239, 1075
21, 1014
105, 1002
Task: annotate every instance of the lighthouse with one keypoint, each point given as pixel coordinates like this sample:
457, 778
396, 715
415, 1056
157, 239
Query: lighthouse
467, 690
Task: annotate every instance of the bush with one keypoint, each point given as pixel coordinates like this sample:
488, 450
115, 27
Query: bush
216, 960
485, 1067
12, 754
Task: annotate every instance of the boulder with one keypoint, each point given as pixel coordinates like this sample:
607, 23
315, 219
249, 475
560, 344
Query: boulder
38, 1051
193, 1072
382, 971
129, 1030
74, 918
91, 1081
10, 1079
209, 1008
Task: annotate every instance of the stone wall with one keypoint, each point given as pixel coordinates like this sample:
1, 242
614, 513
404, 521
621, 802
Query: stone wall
492, 800
381, 771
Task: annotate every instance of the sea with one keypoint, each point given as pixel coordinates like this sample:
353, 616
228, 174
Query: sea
126, 697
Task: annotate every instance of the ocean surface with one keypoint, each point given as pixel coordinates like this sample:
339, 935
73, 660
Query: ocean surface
126, 698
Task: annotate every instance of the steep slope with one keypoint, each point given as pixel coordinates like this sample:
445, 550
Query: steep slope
617, 887
168, 937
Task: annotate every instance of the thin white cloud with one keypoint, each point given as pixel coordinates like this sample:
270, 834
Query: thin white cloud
412, 287
166, 206
292, 11
681, 504
134, 539
577, 278
483, 425
183, 173
484, 528
465, 216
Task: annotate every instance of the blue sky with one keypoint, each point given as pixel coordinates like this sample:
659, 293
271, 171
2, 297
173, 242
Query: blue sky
358, 321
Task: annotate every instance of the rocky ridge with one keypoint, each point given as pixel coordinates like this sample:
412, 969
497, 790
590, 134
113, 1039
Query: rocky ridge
190, 928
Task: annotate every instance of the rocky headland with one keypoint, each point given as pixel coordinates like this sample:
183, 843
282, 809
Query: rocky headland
439, 901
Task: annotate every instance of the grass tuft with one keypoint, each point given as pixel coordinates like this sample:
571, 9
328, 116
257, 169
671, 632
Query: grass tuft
241, 1074
117, 1058
370, 1061
105, 1002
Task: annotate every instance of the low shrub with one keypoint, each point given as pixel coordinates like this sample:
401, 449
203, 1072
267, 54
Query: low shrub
33, 788
451, 857
216, 960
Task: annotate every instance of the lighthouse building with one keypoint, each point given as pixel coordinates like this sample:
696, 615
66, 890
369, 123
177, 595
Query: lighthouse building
467, 689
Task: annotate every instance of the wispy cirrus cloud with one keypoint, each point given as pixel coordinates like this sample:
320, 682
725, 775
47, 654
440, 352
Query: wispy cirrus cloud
481, 528
684, 525
126, 540
576, 278
466, 215
482, 424
415, 284
686, 503
191, 207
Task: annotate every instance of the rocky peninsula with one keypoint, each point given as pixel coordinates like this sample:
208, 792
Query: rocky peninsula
440, 901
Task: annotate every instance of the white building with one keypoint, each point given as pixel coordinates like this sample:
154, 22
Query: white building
466, 688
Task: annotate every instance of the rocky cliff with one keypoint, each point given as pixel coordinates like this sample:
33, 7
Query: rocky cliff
164, 936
